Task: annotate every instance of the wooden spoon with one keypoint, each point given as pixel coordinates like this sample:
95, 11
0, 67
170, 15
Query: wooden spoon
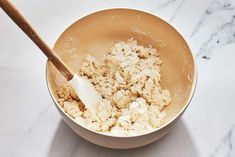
83, 87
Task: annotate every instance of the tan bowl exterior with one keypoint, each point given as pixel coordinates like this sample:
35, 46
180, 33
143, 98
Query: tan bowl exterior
96, 33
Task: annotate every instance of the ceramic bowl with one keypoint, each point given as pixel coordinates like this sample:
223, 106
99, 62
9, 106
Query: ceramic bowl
96, 33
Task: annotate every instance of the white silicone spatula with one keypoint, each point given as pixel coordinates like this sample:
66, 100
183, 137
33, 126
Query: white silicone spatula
83, 87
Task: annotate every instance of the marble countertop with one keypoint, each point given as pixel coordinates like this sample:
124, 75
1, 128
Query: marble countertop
30, 124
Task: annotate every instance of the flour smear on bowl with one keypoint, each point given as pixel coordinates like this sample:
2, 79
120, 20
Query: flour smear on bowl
129, 81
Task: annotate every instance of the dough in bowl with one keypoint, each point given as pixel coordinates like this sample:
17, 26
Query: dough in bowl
129, 82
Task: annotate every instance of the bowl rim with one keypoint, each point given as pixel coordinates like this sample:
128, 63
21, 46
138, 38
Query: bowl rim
192, 91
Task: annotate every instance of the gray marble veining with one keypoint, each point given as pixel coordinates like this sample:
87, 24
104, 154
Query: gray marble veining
219, 22
176, 11
226, 146
166, 3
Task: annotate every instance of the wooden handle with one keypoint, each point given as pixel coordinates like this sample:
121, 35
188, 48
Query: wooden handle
16, 16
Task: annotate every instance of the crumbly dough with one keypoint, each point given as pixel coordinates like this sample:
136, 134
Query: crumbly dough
129, 81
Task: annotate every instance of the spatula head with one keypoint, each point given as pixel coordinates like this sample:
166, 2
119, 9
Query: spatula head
86, 91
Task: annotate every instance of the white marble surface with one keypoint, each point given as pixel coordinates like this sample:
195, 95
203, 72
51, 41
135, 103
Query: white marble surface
30, 124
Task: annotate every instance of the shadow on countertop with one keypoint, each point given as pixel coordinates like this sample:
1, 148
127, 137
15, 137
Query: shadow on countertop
178, 142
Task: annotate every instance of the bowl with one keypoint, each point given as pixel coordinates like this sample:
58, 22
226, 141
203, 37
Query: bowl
96, 33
